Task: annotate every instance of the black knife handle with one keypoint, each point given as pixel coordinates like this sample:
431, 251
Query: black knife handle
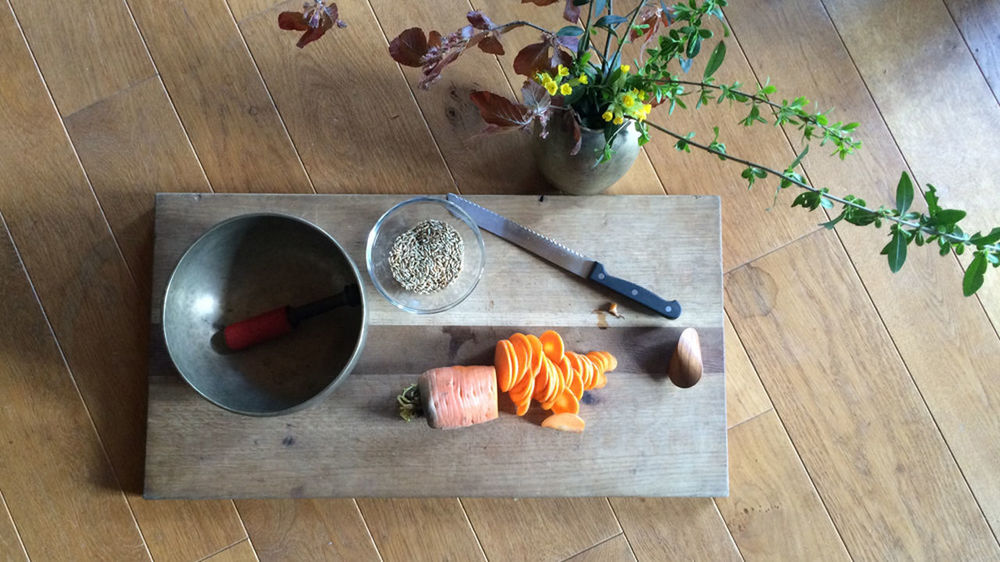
641, 295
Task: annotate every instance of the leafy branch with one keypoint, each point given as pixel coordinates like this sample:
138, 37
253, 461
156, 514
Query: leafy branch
938, 224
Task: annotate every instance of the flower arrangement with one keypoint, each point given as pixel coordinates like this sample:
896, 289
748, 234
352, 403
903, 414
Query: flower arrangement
575, 77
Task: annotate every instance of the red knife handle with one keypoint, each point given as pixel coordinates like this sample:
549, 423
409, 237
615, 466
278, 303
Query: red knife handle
258, 329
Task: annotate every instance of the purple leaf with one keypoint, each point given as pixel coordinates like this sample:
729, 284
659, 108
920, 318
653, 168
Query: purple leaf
572, 12
410, 47
500, 111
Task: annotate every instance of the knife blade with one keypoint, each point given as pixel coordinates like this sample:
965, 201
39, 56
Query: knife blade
560, 255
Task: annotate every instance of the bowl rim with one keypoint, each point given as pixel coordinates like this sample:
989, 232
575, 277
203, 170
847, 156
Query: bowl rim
336, 380
454, 210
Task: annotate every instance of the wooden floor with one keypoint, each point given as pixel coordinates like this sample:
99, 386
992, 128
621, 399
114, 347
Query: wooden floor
864, 406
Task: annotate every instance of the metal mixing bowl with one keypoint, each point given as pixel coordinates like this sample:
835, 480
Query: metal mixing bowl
245, 266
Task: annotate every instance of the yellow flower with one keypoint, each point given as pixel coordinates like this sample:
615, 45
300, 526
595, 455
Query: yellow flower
551, 87
544, 77
628, 101
563, 71
582, 79
565, 89
626, 68
647, 108
640, 115
607, 116
618, 120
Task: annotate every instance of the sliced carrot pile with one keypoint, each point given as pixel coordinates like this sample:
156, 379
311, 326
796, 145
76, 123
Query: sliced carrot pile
542, 369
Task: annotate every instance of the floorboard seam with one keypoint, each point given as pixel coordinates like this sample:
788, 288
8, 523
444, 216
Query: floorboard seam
751, 418
413, 98
622, 527
473, 527
368, 530
76, 387
267, 90
593, 546
17, 532
729, 532
243, 525
223, 549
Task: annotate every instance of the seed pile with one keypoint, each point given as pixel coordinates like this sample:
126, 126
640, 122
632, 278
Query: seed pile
428, 257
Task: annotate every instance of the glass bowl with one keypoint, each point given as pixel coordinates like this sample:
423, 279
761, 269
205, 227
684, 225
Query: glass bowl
405, 216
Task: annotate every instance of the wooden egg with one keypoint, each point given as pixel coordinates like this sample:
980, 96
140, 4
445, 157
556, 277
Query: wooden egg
685, 364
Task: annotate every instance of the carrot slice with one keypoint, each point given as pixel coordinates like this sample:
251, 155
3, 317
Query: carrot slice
566, 402
522, 407
536, 353
505, 361
541, 385
523, 350
522, 392
566, 370
611, 359
576, 385
565, 422
588, 372
552, 345
555, 380
545, 379
598, 360
601, 381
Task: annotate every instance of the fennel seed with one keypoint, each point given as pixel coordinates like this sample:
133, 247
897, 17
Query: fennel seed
427, 258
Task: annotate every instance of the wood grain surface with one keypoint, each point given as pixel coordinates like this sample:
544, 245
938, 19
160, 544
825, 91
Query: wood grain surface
777, 510
539, 529
318, 529
361, 111
846, 390
443, 531
133, 144
88, 56
960, 340
220, 97
195, 449
92, 304
52, 428
920, 76
675, 529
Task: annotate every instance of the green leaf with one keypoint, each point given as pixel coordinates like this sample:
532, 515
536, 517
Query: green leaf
974, 276
715, 61
896, 250
798, 159
932, 200
948, 217
904, 193
609, 21
992, 238
570, 31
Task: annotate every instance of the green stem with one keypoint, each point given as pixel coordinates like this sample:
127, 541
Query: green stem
585, 44
607, 40
628, 30
525, 23
803, 185
758, 99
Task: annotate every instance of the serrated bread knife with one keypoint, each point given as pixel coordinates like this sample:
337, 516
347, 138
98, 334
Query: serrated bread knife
562, 256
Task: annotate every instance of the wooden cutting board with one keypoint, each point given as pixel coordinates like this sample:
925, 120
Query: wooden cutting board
644, 436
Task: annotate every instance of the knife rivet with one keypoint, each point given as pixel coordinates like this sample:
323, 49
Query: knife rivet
600, 275
667, 309
635, 292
